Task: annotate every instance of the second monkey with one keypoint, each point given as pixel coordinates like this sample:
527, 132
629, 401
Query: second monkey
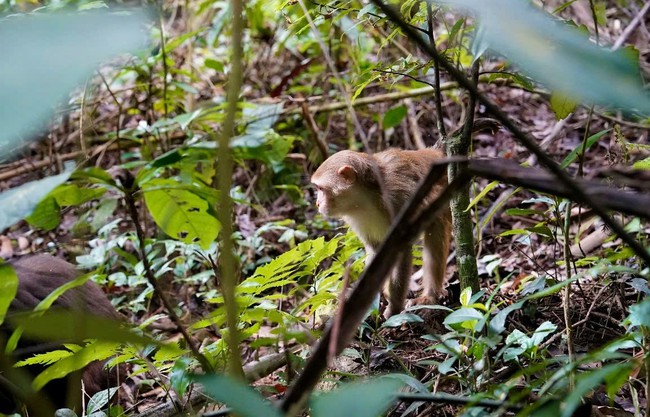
366, 191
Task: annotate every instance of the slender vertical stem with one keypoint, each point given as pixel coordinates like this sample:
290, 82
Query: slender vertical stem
129, 198
461, 225
567, 293
227, 262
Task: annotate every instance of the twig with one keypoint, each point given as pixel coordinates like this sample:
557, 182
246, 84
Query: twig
413, 126
313, 129
440, 122
630, 28
129, 189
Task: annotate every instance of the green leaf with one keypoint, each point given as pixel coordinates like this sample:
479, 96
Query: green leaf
640, 314
68, 325
94, 175
100, 400
20, 201
550, 290
215, 65
562, 105
464, 317
558, 55
243, 400
574, 153
642, 164
180, 213
482, 194
8, 288
465, 296
38, 48
47, 302
522, 212
514, 232
588, 382
394, 116
179, 379
497, 324
95, 351
368, 398
404, 318
74, 195
168, 158
542, 331
46, 215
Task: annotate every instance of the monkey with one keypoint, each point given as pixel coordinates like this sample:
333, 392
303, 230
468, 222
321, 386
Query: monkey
38, 276
367, 191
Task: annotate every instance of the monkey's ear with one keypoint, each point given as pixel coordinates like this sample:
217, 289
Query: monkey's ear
348, 173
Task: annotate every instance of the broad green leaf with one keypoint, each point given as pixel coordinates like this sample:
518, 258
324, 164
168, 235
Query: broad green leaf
94, 175
179, 377
180, 213
8, 288
497, 323
558, 55
100, 400
243, 400
399, 319
74, 195
261, 117
394, 116
167, 158
463, 317
44, 57
640, 314
368, 398
46, 215
542, 331
562, 105
17, 203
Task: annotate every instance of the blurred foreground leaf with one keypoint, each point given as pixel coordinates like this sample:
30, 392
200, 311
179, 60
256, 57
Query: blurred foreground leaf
243, 400
8, 288
19, 202
558, 55
367, 398
46, 56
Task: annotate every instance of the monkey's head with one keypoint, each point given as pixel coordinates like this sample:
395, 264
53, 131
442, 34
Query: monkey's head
343, 182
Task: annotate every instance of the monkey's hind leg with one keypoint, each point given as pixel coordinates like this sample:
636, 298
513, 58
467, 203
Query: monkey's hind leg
397, 286
437, 239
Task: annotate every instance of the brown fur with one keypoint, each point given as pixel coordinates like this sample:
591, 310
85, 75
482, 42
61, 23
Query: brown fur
39, 275
367, 191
